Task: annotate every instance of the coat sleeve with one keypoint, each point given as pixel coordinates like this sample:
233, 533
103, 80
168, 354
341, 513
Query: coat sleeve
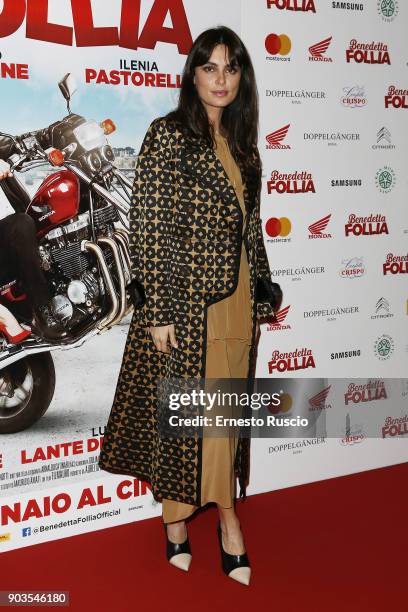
264, 309
150, 221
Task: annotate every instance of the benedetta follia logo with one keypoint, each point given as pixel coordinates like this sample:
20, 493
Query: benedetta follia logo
396, 97
290, 182
370, 225
299, 359
292, 5
367, 53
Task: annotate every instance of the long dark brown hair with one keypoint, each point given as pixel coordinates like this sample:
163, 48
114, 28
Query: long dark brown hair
240, 118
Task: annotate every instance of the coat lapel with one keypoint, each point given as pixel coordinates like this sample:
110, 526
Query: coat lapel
201, 161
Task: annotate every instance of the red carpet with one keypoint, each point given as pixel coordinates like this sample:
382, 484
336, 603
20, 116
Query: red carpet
335, 545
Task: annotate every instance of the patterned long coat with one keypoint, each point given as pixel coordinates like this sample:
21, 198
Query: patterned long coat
186, 225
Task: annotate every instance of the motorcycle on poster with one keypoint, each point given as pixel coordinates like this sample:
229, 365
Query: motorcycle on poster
80, 212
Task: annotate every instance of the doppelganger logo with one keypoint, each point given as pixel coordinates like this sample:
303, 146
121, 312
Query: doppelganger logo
318, 50
316, 229
275, 138
278, 45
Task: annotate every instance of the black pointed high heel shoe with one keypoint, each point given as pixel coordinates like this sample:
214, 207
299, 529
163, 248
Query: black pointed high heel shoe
178, 555
235, 566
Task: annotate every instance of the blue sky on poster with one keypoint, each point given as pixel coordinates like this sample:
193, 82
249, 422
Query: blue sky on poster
37, 102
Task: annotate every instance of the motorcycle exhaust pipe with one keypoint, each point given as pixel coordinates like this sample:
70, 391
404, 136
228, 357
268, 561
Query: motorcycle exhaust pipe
124, 249
91, 247
122, 239
122, 304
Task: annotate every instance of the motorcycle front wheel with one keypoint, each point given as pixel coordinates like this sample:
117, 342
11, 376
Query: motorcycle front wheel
26, 390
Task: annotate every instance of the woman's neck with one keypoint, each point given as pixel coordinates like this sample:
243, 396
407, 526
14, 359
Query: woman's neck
214, 117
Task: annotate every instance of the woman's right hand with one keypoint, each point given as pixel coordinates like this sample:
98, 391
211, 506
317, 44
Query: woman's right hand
162, 335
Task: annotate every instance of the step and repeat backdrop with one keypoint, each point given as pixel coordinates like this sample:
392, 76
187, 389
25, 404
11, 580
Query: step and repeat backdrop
332, 80
333, 91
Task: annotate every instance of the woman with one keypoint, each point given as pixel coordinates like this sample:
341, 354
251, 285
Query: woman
196, 195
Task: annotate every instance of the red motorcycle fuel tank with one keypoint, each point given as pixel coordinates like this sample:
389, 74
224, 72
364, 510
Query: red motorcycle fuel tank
56, 201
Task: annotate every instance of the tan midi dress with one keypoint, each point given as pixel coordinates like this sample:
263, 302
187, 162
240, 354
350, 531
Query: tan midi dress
229, 326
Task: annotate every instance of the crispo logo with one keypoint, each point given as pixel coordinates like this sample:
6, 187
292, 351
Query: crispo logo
274, 139
317, 51
387, 9
352, 268
384, 347
317, 228
292, 5
278, 322
278, 227
385, 179
278, 45
353, 97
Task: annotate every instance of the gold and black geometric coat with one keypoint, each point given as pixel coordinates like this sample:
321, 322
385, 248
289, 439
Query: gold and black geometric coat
186, 225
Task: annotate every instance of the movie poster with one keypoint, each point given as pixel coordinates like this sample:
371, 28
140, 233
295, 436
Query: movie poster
125, 60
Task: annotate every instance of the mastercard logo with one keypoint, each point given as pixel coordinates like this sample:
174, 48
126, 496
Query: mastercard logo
284, 405
278, 44
278, 227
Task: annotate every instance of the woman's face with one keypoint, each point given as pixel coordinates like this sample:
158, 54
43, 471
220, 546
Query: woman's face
217, 83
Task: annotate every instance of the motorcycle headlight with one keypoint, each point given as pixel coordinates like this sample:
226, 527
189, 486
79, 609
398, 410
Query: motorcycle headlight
90, 135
